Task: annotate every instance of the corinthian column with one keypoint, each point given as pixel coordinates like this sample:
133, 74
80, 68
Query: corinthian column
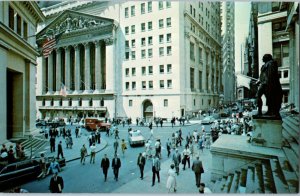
110, 65
87, 69
58, 70
77, 69
98, 75
50, 74
67, 68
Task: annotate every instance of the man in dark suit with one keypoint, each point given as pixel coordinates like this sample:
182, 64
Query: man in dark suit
141, 161
177, 159
198, 169
155, 169
56, 184
116, 164
60, 150
105, 166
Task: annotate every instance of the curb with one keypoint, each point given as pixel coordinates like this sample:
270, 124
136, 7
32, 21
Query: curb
77, 158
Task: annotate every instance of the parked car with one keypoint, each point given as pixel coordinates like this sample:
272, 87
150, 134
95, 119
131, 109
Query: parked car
40, 123
208, 120
92, 124
15, 174
135, 137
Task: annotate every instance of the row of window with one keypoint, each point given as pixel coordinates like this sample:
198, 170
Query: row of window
130, 103
150, 85
149, 26
143, 8
150, 40
22, 26
150, 70
150, 53
101, 103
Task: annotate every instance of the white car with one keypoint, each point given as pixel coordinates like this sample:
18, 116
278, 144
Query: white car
135, 137
208, 120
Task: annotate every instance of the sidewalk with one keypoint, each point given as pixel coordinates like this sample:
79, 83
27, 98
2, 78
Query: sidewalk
74, 153
185, 180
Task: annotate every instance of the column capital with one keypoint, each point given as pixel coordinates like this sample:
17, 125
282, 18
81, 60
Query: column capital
85, 44
66, 48
76, 46
187, 34
97, 43
109, 41
58, 50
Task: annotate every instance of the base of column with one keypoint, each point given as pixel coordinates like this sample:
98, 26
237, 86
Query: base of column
77, 92
57, 93
97, 91
87, 92
49, 93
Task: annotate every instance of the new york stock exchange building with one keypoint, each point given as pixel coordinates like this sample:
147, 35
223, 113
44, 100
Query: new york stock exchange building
138, 59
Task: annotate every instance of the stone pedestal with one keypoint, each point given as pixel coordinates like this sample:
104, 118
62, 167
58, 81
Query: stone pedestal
267, 132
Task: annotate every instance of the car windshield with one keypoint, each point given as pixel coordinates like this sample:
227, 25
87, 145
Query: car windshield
135, 134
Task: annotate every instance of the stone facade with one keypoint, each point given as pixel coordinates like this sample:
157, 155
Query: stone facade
18, 22
164, 59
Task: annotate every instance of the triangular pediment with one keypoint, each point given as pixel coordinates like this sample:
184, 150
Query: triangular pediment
71, 21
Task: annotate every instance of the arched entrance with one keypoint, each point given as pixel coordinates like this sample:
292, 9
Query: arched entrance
148, 110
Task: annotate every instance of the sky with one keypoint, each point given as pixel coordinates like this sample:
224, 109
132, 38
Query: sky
242, 17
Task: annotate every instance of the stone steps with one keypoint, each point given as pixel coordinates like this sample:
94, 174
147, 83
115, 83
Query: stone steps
35, 144
258, 181
279, 179
289, 174
269, 186
228, 183
235, 182
250, 188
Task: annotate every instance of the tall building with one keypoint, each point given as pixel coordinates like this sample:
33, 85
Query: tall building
18, 22
132, 59
229, 81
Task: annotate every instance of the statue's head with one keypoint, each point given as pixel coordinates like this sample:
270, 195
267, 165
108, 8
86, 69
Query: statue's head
267, 57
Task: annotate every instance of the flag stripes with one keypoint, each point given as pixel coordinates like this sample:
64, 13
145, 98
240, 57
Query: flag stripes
48, 46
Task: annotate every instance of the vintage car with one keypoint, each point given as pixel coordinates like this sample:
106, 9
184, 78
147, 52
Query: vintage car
135, 137
17, 173
208, 120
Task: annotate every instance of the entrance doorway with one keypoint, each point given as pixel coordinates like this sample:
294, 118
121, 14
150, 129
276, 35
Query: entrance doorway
148, 110
14, 107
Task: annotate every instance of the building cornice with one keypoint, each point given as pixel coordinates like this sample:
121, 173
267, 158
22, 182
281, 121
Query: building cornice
35, 10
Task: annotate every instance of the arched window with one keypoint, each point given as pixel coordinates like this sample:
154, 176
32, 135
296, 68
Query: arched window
43, 102
52, 102
60, 102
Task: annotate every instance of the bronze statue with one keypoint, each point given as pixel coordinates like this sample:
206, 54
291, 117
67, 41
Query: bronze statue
270, 86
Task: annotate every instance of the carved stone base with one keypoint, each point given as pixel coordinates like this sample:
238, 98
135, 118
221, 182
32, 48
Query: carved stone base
267, 133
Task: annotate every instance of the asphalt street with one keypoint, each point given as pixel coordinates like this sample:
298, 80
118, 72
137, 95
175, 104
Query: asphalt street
89, 178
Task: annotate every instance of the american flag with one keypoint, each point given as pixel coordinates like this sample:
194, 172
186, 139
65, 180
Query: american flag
63, 90
48, 46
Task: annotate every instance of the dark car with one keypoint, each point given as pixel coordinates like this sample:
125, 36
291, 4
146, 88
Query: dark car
21, 172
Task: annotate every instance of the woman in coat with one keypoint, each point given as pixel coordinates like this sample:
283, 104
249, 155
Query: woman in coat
171, 181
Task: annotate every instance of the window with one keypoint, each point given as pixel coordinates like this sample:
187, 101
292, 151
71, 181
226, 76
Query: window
161, 39
25, 30
281, 53
161, 84
192, 78
169, 37
11, 19
168, 4
150, 40
161, 69
130, 103
143, 41
169, 50
143, 70
194, 102
19, 24
285, 74
200, 55
143, 27
126, 12
127, 55
80, 102
194, 12
133, 85
200, 80
132, 29
150, 53
143, 84
133, 43
101, 102
165, 103
127, 72
161, 5
126, 30
132, 55
70, 102
161, 51
150, 84
143, 54
133, 71
191, 9
169, 83
150, 70
192, 53
149, 26
43, 102
169, 68
168, 22
126, 44
161, 23
150, 6
132, 10
143, 8
279, 26
127, 85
